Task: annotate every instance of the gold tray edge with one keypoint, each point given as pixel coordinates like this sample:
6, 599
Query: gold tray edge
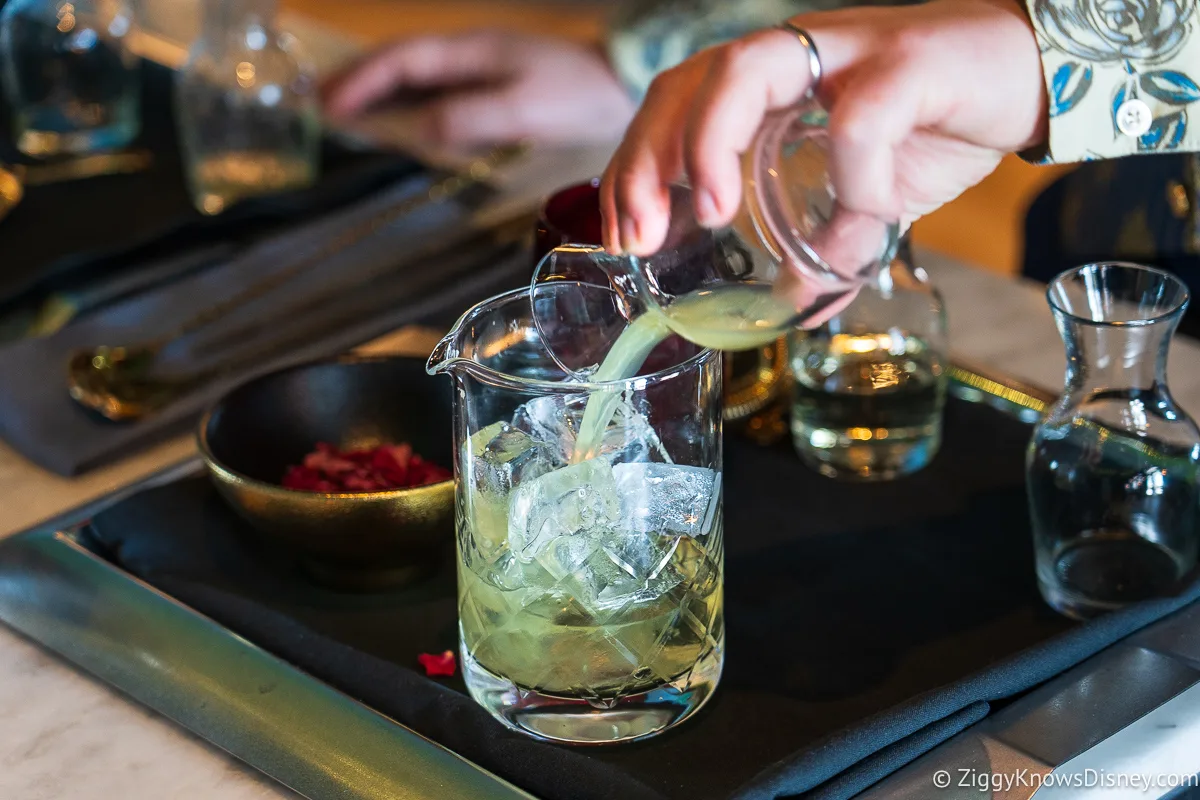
999, 387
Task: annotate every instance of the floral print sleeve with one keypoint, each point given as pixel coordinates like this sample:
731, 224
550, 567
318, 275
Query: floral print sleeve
1122, 76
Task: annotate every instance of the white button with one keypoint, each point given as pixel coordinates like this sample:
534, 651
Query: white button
1134, 118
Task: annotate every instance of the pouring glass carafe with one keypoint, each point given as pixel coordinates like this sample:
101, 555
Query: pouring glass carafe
792, 256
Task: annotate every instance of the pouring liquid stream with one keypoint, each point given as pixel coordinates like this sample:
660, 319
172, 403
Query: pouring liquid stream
730, 317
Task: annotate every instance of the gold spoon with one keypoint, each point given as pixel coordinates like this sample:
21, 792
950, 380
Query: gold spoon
119, 382
15, 177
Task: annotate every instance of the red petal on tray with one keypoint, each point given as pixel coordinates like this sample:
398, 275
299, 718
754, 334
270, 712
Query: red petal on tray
438, 665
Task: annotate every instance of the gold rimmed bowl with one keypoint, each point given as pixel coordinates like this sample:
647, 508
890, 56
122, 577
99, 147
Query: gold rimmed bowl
358, 541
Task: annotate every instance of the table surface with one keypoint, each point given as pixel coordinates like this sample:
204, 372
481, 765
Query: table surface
64, 736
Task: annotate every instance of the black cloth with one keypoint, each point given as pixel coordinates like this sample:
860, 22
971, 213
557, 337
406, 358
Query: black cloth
399, 275
65, 235
866, 624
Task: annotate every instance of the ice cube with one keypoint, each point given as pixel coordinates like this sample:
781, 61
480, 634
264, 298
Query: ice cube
556, 421
485, 531
553, 420
506, 572
481, 438
508, 458
500, 458
562, 517
661, 505
630, 438
667, 498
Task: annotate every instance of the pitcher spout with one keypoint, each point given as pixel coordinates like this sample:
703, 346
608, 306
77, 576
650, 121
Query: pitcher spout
445, 354
476, 344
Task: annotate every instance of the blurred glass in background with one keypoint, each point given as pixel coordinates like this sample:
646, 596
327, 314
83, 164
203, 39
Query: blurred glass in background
71, 81
246, 106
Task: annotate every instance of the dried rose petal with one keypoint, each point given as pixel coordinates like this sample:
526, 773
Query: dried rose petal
401, 454
438, 665
330, 470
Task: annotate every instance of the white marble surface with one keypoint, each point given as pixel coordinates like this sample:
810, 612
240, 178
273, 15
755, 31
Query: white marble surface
1006, 324
63, 736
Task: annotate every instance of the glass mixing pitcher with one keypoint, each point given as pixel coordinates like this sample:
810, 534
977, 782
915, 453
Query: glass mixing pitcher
589, 521
793, 256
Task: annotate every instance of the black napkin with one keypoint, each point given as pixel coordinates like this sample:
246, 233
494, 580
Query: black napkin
65, 236
866, 624
428, 263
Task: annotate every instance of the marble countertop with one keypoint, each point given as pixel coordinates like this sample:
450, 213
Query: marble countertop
64, 736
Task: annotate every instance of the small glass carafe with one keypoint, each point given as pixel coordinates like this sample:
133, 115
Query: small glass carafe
73, 85
246, 108
870, 383
1112, 469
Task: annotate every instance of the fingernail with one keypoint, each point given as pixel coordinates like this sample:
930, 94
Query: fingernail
629, 233
608, 235
706, 207
612, 244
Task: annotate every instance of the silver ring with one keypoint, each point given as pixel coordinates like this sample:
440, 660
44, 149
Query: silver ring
814, 58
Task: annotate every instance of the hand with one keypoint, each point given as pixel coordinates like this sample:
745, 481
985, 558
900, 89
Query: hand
492, 86
923, 102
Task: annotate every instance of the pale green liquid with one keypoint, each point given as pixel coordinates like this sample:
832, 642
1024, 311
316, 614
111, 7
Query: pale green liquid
537, 633
736, 317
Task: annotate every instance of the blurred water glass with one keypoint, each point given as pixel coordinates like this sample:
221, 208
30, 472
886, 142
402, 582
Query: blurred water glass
246, 108
71, 81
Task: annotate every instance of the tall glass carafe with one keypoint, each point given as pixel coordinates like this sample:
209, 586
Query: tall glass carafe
589, 532
793, 256
870, 383
246, 108
1113, 468
72, 83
